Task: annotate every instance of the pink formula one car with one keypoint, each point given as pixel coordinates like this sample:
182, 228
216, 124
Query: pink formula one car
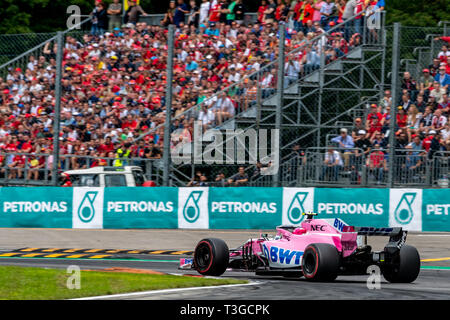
319, 250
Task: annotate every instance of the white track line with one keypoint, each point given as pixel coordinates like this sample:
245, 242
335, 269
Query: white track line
431, 235
142, 293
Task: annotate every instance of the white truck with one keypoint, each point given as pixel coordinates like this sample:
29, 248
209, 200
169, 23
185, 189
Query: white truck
127, 176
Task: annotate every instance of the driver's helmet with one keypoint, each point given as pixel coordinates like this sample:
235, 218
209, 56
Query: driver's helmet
299, 231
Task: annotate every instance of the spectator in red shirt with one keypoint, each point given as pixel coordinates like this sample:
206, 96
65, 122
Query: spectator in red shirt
426, 143
107, 146
16, 166
376, 163
308, 12
373, 123
402, 118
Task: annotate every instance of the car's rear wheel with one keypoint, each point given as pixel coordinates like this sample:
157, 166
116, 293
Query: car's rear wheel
320, 262
405, 267
211, 257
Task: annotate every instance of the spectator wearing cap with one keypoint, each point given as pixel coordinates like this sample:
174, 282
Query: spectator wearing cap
115, 15
402, 118
362, 143
357, 126
426, 143
425, 82
443, 78
346, 144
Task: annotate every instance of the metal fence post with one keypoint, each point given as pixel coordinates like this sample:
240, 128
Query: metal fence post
258, 101
321, 86
166, 153
280, 93
394, 89
57, 110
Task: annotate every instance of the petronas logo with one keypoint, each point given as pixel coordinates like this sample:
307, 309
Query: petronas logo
86, 210
296, 208
403, 212
191, 211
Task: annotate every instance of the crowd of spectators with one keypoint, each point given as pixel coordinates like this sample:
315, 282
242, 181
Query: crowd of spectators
422, 128
114, 81
114, 78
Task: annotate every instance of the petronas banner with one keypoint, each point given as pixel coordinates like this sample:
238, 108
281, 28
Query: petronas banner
245, 208
221, 208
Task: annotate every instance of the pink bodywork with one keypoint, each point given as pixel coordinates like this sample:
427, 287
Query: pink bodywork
287, 251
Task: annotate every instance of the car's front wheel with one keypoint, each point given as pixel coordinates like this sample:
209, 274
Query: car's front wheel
211, 257
320, 262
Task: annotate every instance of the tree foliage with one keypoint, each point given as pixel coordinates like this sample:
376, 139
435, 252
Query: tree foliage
417, 12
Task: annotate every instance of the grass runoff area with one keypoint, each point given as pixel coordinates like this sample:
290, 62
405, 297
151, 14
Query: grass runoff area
30, 283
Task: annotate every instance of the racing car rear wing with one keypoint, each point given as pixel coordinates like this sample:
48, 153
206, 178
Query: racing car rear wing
397, 236
371, 231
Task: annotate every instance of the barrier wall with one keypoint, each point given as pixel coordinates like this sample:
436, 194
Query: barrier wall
221, 208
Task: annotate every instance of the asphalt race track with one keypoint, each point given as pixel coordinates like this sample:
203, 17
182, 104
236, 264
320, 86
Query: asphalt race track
160, 250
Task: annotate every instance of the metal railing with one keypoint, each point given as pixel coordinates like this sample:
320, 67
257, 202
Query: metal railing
354, 168
370, 169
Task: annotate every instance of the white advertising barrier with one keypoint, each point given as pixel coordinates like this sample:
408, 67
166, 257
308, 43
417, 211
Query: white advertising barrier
87, 208
193, 208
405, 209
295, 202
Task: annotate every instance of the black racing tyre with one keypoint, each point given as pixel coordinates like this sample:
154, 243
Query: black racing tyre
406, 266
211, 257
320, 262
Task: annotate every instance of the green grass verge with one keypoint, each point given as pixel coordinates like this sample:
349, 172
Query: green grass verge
26, 283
